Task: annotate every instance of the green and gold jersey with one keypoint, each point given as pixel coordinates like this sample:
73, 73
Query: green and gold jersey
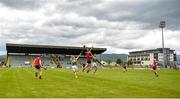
73, 62
94, 59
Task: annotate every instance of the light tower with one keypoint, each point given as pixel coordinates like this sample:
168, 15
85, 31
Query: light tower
162, 25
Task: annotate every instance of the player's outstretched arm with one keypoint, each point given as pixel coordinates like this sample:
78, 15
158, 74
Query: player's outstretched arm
78, 56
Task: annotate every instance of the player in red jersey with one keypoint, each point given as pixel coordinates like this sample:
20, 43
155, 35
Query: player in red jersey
88, 59
38, 65
154, 67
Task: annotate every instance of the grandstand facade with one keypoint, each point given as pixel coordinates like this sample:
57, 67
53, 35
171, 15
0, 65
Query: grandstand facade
145, 57
22, 55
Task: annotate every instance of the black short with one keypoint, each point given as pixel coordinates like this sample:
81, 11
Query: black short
124, 67
83, 65
89, 62
37, 67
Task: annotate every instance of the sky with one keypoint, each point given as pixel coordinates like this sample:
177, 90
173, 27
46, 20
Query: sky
120, 26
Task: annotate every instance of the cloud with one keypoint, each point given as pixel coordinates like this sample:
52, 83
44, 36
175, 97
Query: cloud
148, 12
21, 4
119, 25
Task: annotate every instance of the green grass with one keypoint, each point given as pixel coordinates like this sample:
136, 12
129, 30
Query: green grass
21, 82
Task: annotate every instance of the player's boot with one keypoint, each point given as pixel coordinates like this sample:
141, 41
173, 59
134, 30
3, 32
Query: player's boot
36, 74
83, 69
157, 75
88, 71
40, 77
45, 68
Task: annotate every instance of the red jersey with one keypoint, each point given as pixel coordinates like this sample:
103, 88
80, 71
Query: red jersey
37, 61
88, 56
154, 64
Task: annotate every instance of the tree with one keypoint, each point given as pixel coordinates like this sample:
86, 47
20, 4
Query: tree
109, 61
130, 62
119, 61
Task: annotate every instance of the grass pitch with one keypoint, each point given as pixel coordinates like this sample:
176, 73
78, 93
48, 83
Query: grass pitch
22, 83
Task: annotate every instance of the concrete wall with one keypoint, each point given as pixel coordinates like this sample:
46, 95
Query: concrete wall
27, 60
20, 61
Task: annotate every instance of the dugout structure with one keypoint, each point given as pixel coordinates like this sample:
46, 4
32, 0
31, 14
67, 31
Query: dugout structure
22, 55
